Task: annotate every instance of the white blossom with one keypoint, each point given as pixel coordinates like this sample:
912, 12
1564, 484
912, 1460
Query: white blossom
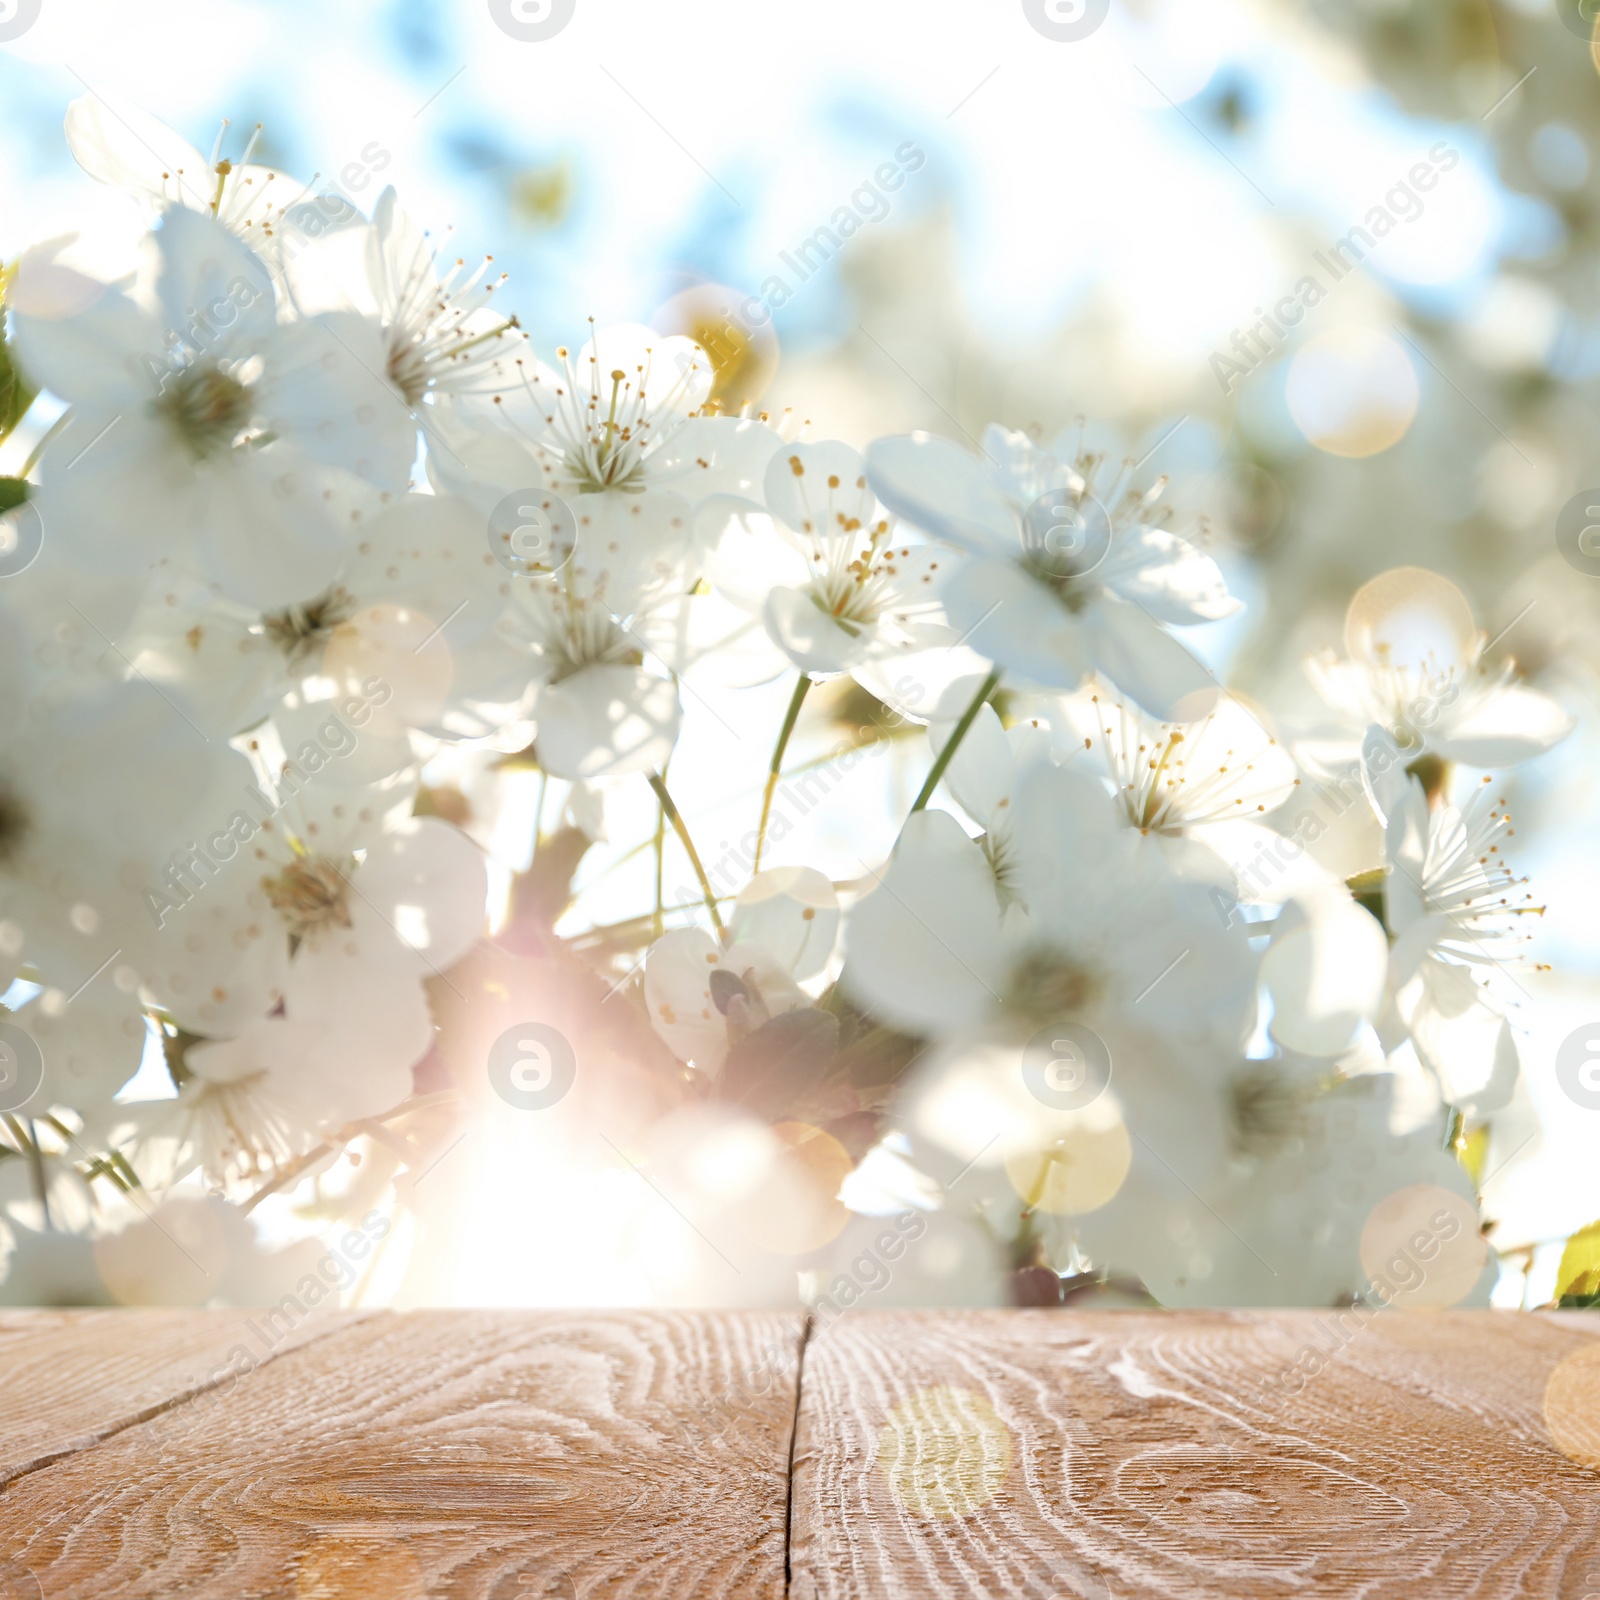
1066, 575
207, 426
833, 580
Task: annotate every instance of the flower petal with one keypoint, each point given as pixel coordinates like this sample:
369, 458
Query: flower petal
267, 537
81, 339
793, 914
375, 1015
924, 948
1014, 620
1325, 971
818, 488
1144, 661
427, 880
118, 143
983, 772
327, 393
677, 992
604, 721
1465, 1041
812, 639
1166, 575
1511, 724
722, 456
938, 487
212, 286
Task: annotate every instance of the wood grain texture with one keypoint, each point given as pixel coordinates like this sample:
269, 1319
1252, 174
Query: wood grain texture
502, 1455
645, 1454
1115, 1454
71, 1378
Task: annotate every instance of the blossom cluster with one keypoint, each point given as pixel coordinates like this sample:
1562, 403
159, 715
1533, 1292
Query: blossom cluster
313, 523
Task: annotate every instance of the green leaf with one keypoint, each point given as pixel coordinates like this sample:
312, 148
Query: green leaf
16, 393
174, 1047
1472, 1151
1367, 889
13, 491
1578, 1276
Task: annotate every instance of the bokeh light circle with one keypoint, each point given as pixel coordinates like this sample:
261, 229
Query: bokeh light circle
945, 1452
1353, 392
1572, 1405
796, 1208
1077, 1172
1409, 616
1423, 1246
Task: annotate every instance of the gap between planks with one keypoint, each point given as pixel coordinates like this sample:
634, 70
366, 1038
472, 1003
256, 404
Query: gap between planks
1095, 1454
806, 1329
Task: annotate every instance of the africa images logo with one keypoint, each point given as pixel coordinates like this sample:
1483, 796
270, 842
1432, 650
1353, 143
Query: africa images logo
532, 21
1066, 21
16, 17
532, 1066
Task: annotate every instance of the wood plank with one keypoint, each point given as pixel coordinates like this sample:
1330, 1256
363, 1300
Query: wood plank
71, 1378
1115, 1454
472, 1454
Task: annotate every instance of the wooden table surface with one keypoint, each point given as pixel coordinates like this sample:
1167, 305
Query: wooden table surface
660, 1453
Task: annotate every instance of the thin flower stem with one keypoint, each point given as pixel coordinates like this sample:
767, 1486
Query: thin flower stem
336, 1142
659, 784
38, 450
35, 1159
801, 688
953, 743
101, 1167
396, 1144
659, 920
